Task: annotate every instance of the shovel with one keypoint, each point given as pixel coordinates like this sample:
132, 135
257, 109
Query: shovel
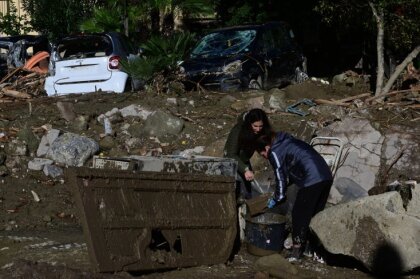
256, 186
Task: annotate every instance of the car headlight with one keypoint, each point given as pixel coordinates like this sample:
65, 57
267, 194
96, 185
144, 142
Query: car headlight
233, 67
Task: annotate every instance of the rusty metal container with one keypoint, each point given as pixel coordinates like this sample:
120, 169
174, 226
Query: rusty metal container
146, 220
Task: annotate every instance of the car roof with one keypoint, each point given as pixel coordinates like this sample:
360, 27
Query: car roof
28, 38
251, 26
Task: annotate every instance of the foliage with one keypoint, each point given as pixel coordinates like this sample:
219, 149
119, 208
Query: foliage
57, 17
104, 19
13, 24
402, 26
161, 54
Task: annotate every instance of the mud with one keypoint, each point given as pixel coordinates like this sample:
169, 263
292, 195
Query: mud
31, 233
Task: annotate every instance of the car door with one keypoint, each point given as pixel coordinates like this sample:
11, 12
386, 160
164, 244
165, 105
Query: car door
285, 55
266, 47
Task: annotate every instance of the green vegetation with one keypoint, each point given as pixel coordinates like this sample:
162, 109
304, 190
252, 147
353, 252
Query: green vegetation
160, 55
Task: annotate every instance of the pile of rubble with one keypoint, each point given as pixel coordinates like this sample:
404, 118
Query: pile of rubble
21, 84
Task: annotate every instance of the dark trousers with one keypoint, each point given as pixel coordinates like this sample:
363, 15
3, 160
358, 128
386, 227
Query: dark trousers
309, 201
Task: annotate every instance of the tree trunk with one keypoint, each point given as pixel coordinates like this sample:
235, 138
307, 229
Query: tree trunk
155, 20
379, 16
400, 68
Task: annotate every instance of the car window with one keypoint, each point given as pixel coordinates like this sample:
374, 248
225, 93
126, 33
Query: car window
224, 43
127, 46
84, 47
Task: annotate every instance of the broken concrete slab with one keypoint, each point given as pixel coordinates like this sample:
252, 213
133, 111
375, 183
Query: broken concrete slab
362, 144
374, 230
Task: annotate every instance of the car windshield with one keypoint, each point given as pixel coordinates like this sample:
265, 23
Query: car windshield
84, 46
224, 43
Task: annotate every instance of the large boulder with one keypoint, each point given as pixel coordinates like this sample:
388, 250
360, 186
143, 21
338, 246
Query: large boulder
374, 230
160, 123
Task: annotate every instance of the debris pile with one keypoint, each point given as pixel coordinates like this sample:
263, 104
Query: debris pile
21, 84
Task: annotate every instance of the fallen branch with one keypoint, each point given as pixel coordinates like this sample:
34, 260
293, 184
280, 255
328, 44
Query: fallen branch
351, 98
15, 94
329, 102
184, 117
399, 155
10, 74
390, 94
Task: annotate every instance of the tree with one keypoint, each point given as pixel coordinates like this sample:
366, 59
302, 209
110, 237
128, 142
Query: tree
58, 17
397, 29
13, 24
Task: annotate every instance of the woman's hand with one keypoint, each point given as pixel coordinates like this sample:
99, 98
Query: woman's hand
249, 175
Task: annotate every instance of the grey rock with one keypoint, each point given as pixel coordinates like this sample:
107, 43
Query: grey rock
72, 150
38, 163
374, 229
135, 111
46, 142
277, 100
52, 171
160, 123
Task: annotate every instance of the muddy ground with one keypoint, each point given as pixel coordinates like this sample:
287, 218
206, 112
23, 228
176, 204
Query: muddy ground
45, 240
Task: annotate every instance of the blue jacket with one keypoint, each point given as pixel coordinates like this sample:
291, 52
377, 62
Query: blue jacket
295, 161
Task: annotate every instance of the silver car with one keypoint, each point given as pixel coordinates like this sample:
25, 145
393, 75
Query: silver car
89, 63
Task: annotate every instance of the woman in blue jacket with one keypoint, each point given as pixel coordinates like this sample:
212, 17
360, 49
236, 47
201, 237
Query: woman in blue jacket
295, 161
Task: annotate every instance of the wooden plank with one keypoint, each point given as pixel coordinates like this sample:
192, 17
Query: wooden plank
329, 102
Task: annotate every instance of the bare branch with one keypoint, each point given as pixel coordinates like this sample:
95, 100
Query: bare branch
413, 54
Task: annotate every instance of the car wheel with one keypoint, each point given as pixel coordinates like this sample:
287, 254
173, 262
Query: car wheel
255, 83
128, 85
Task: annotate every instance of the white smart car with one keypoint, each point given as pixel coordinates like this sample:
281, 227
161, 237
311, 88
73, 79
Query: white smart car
89, 63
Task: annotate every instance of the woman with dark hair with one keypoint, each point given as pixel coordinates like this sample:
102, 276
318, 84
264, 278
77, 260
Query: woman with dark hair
240, 145
295, 161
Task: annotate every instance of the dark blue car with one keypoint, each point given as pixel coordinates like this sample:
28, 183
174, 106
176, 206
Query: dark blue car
252, 56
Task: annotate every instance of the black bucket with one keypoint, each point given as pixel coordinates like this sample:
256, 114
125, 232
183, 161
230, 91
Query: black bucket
265, 233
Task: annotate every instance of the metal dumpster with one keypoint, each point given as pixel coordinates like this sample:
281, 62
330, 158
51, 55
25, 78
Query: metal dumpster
146, 220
